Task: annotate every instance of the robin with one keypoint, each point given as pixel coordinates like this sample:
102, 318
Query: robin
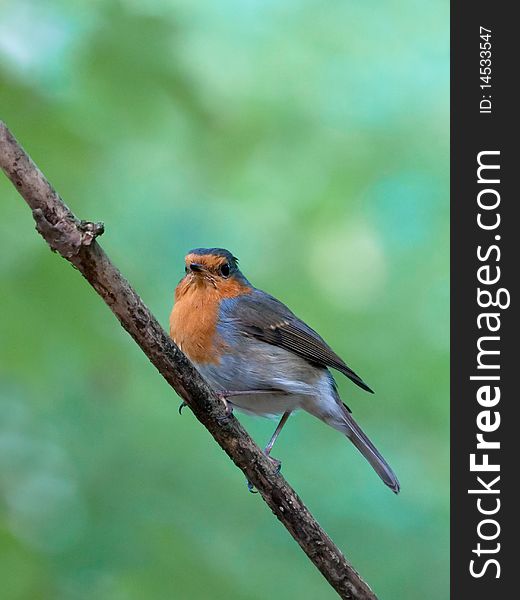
257, 355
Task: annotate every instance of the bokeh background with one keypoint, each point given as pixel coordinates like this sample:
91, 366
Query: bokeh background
311, 139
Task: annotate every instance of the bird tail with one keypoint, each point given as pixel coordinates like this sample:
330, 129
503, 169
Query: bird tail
357, 436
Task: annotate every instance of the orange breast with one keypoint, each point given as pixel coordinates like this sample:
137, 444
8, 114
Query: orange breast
193, 320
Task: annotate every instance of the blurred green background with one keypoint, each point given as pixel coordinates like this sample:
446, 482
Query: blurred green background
311, 139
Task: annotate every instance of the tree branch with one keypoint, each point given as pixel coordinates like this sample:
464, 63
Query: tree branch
75, 240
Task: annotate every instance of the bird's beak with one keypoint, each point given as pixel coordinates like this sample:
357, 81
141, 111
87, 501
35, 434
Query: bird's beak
196, 267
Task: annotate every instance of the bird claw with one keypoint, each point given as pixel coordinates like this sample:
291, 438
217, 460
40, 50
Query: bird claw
276, 463
251, 488
223, 398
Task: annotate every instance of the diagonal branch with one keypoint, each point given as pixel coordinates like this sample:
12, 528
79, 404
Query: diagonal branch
75, 240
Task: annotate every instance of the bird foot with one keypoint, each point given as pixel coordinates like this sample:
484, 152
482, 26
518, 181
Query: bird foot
222, 396
277, 464
278, 467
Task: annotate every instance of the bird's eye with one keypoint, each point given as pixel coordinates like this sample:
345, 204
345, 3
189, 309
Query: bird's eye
186, 269
225, 270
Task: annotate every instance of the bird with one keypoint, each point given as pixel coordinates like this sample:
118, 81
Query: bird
257, 355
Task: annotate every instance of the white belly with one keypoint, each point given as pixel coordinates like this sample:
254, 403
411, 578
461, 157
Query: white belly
317, 398
266, 405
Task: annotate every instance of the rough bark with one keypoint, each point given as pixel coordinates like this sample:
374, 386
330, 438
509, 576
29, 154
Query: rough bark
75, 240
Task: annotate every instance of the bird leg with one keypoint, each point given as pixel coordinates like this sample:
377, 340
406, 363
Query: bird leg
223, 395
269, 447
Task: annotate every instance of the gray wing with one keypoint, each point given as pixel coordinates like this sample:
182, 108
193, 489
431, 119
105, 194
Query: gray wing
260, 315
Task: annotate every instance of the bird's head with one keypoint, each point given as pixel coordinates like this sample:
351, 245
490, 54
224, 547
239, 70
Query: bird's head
214, 268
